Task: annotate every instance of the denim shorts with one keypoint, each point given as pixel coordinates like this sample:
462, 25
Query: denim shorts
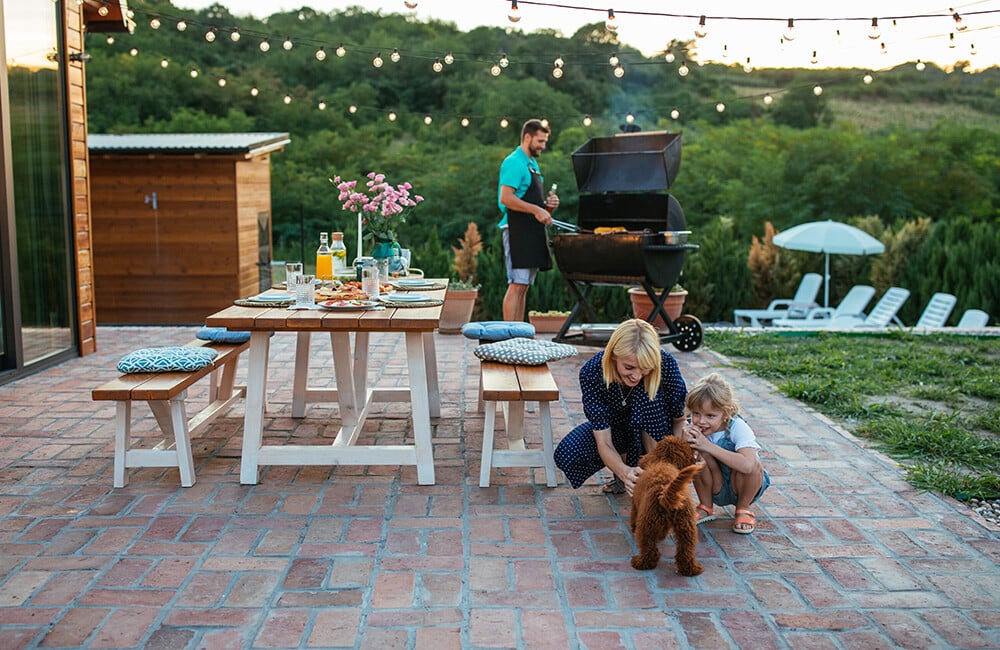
515, 276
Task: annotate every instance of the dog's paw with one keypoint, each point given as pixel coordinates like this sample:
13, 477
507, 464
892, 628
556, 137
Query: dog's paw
644, 562
689, 569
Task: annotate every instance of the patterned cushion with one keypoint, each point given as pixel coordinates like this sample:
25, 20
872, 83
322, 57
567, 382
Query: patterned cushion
497, 330
524, 352
222, 335
167, 359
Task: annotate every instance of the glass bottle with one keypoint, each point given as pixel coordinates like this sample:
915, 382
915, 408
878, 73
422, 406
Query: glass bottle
324, 259
339, 252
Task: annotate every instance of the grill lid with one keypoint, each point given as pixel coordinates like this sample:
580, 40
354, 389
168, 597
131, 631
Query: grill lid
631, 162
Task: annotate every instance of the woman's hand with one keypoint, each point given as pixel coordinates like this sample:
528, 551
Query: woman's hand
630, 477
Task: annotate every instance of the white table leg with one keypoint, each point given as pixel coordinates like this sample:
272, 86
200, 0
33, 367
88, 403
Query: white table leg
343, 371
420, 408
361, 369
253, 420
301, 381
430, 361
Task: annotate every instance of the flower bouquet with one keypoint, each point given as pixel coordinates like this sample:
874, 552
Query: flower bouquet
381, 208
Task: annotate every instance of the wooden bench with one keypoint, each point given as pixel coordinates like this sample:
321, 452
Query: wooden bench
512, 386
165, 392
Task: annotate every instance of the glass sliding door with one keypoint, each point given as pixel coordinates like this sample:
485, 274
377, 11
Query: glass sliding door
41, 298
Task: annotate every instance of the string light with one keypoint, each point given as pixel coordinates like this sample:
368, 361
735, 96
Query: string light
449, 58
428, 119
619, 71
210, 35
951, 41
675, 114
410, 4
182, 25
222, 82
154, 23
613, 60
321, 106
254, 91
725, 51
883, 49
377, 61
921, 66
164, 63
868, 78
288, 43
683, 70
874, 32
110, 40
611, 24
629, 118
341, 51
514, 14
465, 122
265, 45
234, 35
287, 99
437, 66
587, 121
352, 109
748, 67
495, 70
194, 73
394, 57
768, 99
669, 57
559, 62
817, 90
504, 61
701, 31
133, 52
789, 34
321, 54
972, 49
557, 72
959, 25
504, 123
392, 116
720, 108
815, 59
103, 11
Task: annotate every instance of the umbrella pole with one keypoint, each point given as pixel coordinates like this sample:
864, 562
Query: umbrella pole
826, 282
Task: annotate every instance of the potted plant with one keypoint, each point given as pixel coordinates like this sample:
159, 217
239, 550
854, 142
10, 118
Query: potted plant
460, 299
547, 322
642, 305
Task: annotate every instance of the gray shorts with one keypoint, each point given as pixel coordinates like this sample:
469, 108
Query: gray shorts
515, 276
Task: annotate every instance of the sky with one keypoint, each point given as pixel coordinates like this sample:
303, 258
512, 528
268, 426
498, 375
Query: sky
737, 30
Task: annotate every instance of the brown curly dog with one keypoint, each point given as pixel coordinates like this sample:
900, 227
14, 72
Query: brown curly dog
662, 501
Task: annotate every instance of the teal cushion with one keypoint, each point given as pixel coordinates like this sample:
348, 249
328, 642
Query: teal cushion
222, 335
524, 352
167, 359
497, 330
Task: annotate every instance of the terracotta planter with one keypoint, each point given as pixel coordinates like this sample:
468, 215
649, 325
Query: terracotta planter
547, 324
457, 310
642, 305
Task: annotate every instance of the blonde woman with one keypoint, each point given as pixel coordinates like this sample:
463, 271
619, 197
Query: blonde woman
633, 395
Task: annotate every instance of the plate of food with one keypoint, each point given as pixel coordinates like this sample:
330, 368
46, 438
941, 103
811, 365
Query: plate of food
348, 305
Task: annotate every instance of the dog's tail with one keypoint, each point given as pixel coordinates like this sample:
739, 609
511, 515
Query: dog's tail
673, 496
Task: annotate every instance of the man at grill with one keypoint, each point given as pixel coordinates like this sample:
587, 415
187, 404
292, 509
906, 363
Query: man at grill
633, 395
526, 212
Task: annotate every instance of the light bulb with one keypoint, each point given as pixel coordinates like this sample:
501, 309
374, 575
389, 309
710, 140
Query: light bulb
587, 121
701, 31
883, 49
921, 66
683, 70
720, 108
254, 91
768, 99
815, 59
495, 70
514, 14
669, 57
874, 32
134, 52
394, 57
629, 118
287, 99
377, 61
868, 78
110, 40
437, 66
164, 63
959, 25
352, 109
234, 35
748, 67
210, 35
265, 45
182, 25
103, 11
557, 73
613, 60
449, 58
392, 116
619, 71
194, 74
222, 82
465, 121
545, 122
154, 23
321, 54
951, 41
504, 123
789, 34
972, 49
817, 90
725, 51
559, 62
611, 24
504, 61
288, 43
410, 4
675, 114
428, 119
321, 106
341, 51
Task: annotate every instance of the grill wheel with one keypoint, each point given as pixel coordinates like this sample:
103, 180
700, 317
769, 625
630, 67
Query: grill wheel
689, 333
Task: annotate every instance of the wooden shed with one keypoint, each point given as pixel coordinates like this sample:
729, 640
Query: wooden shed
181, 223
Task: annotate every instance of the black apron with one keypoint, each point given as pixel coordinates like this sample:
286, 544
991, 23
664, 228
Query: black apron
529, 241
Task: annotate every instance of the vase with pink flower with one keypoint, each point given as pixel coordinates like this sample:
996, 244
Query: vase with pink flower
381, 208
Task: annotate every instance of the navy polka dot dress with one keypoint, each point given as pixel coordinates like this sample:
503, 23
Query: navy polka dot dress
576, 455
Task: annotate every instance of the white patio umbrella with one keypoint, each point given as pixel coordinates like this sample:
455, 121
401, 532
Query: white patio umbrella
828, 237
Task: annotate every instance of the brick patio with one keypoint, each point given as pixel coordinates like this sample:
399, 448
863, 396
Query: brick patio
846, 554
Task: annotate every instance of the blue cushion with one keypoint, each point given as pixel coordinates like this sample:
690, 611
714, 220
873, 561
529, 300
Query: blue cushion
222, 335
167, 359
524, 352
497, 330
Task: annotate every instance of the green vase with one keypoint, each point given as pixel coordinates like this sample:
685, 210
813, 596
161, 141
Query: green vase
385, 249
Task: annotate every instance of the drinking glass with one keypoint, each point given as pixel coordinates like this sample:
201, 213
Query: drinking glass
292, 271
370, 280
305, 291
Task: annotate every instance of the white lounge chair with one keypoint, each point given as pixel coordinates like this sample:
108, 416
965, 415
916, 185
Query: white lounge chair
853, 304
796, 307
973, 319
937, 310
883, 313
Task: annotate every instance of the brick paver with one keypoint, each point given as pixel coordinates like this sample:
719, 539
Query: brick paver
846, 555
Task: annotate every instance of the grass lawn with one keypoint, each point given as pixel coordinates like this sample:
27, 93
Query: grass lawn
932, 402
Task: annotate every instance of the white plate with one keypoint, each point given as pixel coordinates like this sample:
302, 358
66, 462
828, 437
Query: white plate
413, 283
273, 297
348, 305
404, 297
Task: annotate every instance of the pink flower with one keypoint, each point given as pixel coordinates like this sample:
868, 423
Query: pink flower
384, 206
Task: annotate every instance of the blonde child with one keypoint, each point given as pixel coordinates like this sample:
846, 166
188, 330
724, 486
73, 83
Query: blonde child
733, 474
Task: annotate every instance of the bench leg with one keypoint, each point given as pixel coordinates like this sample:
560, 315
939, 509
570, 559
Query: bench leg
548, 447
123, 424
513, 418
182, 441
489, 427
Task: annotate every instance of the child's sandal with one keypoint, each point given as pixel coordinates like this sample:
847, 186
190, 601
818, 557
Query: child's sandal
709, 513
745, 522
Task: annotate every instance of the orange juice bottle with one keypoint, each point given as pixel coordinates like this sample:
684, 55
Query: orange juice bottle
324, 259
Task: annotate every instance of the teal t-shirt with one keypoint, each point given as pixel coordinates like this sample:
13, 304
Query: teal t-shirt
515, 171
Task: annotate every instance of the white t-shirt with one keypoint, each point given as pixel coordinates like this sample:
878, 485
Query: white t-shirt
740, 433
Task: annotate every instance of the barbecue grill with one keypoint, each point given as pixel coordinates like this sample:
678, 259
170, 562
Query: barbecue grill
623, 182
